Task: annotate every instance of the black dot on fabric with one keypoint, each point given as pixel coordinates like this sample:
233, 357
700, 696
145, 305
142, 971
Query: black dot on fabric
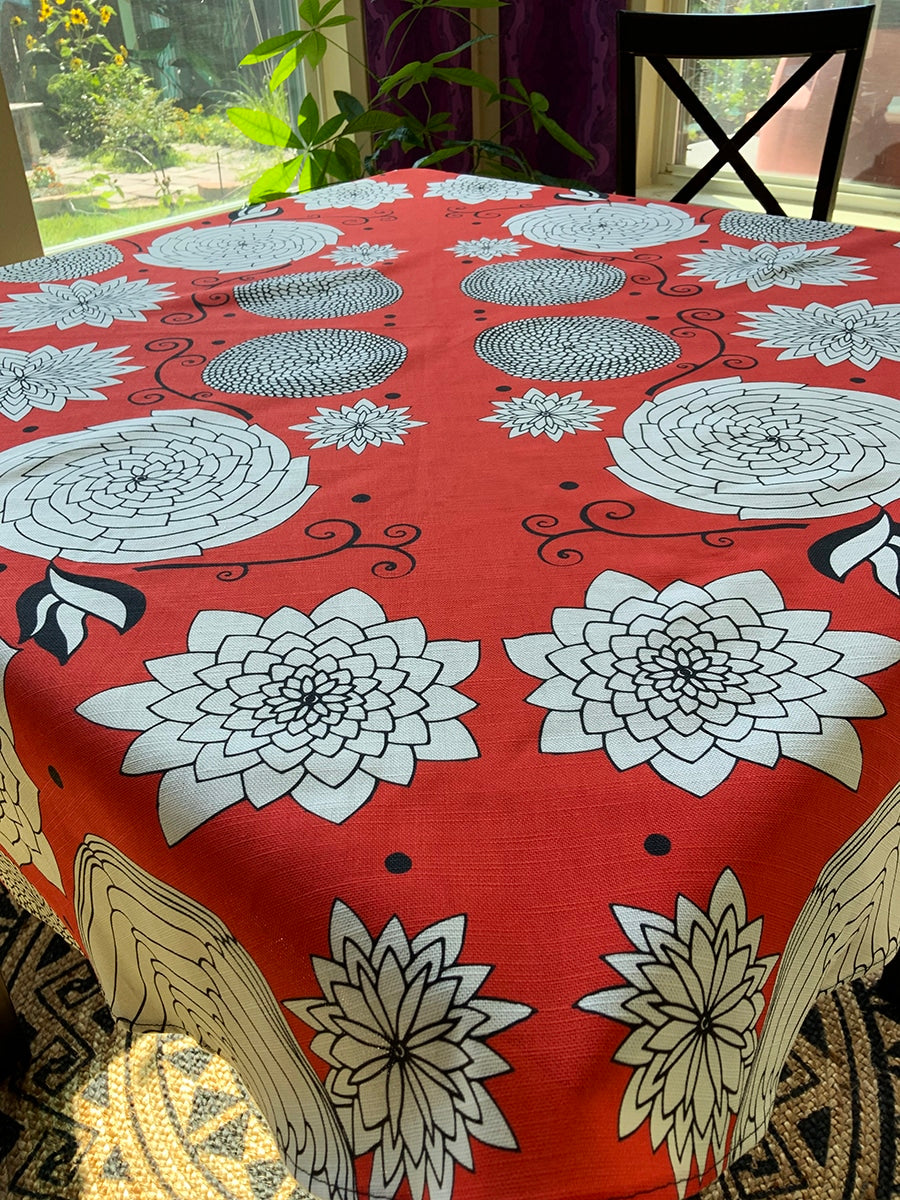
219, 342
55, 776
568, 485
634, 293
481, 318
361, 498
657, 844
477, 310
229, 314
703, 241
476, 222
857, 379
143, 271
503, 388
398, 864
389, 324
392, 395
466, 260
204, 222
390, 316
30, 429
651, 318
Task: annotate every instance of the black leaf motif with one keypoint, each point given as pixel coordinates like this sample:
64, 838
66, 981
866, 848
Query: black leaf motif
876, 541
54, 612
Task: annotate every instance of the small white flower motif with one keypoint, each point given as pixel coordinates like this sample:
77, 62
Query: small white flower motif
84, 302
487, 248
21, 835
358, 425
364, 254
357, 193
762, 449
857, 331
320, 708
47, 378
694, 995
476, 189
691, 680
404, 1031
550, 414
765, 266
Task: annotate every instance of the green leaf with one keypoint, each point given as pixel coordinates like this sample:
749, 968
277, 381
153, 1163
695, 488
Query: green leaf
330, 128
348, 105
308, 114
539, 102
270, 47
328, 7
288, 65
518, 86
347, 154
336, 21
309, 11
565, 139
397, 22
484, 37
439, 155
276, 182
398, 77
374, 121
466, 76
263, 128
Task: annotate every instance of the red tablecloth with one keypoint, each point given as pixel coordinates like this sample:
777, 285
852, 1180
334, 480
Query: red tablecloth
449, 639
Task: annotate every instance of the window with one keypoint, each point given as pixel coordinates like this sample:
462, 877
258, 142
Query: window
785, 151
119, 108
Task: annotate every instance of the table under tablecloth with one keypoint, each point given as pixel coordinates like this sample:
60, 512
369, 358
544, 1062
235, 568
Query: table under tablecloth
448, 642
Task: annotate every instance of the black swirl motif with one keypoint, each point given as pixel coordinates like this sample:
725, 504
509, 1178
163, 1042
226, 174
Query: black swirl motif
202, 302
593, 515
178, 351
700, 320
655, 275
339, 535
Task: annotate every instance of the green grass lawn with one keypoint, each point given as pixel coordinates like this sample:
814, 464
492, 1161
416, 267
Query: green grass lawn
72, 227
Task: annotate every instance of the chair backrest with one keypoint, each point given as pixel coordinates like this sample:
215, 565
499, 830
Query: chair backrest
815, 35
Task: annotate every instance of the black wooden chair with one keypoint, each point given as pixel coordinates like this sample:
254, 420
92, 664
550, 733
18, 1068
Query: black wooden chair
814, 35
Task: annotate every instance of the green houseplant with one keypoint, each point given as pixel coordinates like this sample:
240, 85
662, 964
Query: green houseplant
400, 110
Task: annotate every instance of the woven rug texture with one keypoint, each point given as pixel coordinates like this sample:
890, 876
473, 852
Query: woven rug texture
90, 1111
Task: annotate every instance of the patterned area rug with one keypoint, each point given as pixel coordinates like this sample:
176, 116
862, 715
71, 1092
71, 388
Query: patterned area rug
91, 1112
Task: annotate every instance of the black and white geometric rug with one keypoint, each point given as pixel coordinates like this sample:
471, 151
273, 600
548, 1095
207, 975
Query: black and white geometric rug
95, 1113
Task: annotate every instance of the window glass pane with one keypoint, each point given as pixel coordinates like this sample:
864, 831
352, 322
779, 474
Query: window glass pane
790, 144
120, 108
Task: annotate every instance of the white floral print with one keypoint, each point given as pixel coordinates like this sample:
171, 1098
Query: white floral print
320, 707
694, 996
147, 488
858, 332
358, 425
84, 302
762, 449
547, 413
66, 264
241, 246
48, 377
608, 226
357, 193
691, 680
21, 835
404, 1031
487, 248
771, 227
476, 189
363, 254
766, 266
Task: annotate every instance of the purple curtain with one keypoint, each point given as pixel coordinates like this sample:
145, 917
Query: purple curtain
562, 48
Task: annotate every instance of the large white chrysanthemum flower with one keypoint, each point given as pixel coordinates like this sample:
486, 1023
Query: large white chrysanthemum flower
694, 996
691, 680
355, 193
605, 227
765, 266
319, 707
762, 449
404, 1032
858, 332
240, 246
478, 189
48, 377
